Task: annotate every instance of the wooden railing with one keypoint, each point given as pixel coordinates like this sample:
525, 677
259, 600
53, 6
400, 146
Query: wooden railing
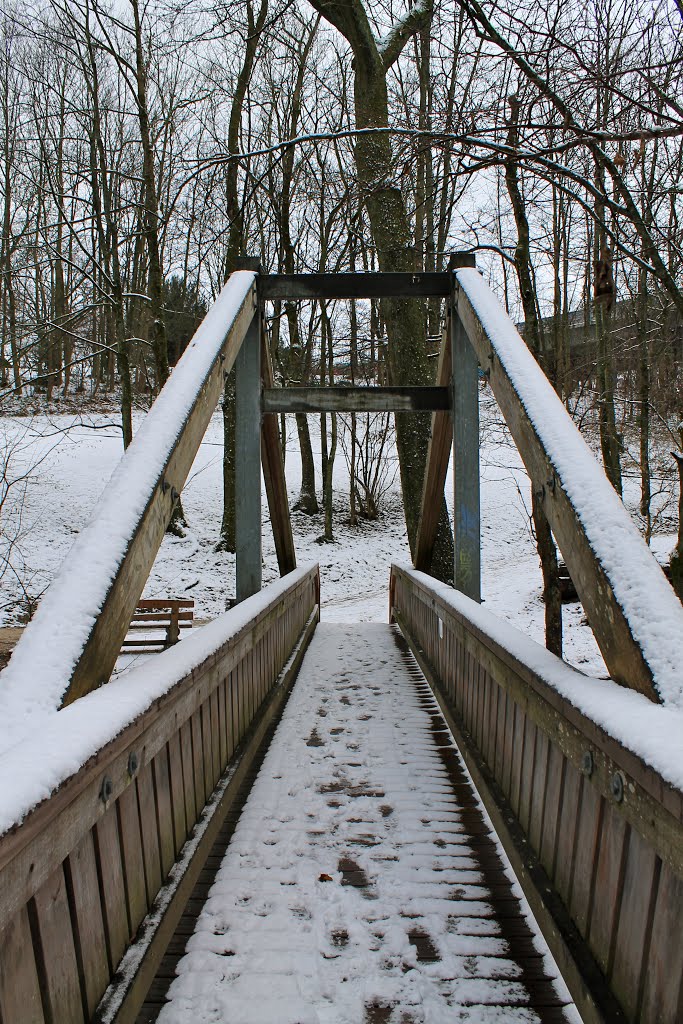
594, 833
635, 615
90, 603
96, 874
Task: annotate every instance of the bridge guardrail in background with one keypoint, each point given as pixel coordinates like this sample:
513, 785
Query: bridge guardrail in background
564, 763
112, 849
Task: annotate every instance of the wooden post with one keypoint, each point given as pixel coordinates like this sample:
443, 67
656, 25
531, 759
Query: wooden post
436, 469
274, 474
248, 463
465, 413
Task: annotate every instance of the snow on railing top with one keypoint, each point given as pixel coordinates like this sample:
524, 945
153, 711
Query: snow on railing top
36, 678
653, 611
58, 745
650, 731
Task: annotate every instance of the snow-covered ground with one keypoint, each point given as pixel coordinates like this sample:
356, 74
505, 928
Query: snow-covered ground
68, 461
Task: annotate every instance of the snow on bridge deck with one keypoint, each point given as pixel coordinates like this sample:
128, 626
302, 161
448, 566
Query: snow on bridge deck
363, 882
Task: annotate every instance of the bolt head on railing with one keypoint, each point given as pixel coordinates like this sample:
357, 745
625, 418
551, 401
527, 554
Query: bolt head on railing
617, 786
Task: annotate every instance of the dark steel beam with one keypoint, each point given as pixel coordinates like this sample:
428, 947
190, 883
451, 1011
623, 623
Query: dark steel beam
355, 399
466, 500
248, 464
354, 286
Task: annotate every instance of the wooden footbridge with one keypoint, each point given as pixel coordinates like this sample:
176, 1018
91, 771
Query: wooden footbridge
169, 851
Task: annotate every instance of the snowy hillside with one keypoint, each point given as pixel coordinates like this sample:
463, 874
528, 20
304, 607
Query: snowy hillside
68, 461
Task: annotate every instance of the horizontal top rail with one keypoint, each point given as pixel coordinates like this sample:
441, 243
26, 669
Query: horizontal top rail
633, 611
343, 398
72, 642
354, 286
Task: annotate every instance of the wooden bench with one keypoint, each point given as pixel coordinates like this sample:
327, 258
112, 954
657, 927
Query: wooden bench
171, 616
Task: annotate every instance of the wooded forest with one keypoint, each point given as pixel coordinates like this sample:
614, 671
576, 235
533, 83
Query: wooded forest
145, 148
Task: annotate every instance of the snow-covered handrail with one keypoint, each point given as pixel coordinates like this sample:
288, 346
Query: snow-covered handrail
635, 615
131, 785
72, 643
583, 781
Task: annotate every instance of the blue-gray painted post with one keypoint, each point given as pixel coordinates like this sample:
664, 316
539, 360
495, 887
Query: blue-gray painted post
466, 512
248, 463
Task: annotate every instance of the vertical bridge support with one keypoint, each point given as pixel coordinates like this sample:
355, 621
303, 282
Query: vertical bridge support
248, 463
465, 413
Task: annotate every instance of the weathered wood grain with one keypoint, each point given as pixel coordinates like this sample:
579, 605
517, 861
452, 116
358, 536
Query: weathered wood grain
553, 805
132, 856
609, 885
56, 953
566, 846
149, 831
112, 887
188, 773
175, 765
80, 870
162, 794
663, 993
634, 927
19, 984
537, 809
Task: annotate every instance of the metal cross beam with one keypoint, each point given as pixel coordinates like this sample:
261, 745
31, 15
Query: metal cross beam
355, 399
354, 286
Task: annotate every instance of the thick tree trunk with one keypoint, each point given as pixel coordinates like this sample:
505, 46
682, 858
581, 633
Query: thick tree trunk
107, 226
389, 221
235, 248
151, 212
307, 501
609, 437
604, 295
404, 318
644, 405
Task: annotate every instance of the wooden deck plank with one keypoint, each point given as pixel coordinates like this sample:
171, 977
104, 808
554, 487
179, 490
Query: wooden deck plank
463, 874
